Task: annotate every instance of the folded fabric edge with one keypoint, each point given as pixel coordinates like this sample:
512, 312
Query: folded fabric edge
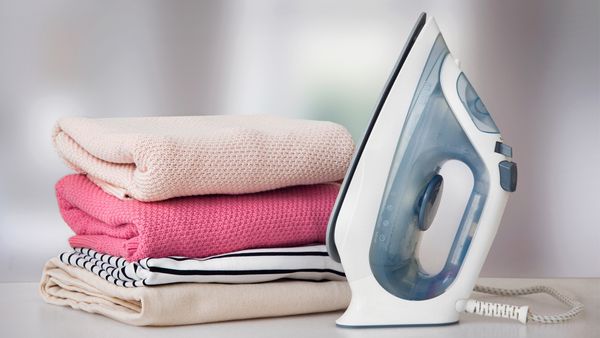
66, 146
113, 190
119, 177
69, 286
187, 303
240, 267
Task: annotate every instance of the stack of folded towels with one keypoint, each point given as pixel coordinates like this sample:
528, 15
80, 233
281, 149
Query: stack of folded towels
183, 220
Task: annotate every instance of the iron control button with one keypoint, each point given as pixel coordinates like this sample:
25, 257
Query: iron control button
508, 175
503, 149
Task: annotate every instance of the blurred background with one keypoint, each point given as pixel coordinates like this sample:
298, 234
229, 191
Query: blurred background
534, 63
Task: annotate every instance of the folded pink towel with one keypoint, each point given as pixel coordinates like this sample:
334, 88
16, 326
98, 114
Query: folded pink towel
196, 226
157, 158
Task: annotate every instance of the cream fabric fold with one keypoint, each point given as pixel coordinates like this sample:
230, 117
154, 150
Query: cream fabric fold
157, 158
187, 303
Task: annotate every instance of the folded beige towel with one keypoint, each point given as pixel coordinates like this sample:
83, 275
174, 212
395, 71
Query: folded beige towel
156, 158
187, 303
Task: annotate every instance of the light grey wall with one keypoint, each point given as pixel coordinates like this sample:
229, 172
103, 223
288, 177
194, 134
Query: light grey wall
534, 63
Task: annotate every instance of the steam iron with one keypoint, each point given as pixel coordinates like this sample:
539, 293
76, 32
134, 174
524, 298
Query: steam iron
428, 114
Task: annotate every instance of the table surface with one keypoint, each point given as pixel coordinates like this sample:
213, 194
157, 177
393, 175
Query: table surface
24, 314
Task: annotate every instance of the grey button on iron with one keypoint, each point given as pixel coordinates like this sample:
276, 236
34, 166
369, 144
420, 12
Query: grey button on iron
503, 149
508, 175
429, 202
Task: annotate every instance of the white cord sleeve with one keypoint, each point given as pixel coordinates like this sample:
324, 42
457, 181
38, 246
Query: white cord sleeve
521, 313
497, 310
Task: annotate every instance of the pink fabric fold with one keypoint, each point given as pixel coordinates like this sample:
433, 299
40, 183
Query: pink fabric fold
196, 226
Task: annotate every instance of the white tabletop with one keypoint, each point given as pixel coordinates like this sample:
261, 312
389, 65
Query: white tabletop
24, 314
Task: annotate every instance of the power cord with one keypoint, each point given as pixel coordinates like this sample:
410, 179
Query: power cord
520, 313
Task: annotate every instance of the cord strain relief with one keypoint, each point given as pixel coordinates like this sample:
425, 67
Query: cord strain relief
497, 310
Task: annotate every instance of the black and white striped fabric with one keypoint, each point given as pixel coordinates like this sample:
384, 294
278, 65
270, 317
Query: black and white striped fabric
247, 266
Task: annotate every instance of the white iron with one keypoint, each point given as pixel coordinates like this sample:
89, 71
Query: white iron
428, 114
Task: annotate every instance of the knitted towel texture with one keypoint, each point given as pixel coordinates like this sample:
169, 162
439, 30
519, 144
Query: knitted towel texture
196, 226
157, 158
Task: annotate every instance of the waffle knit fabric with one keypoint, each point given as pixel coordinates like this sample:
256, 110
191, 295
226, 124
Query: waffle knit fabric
157, 158
187, 303
196, 226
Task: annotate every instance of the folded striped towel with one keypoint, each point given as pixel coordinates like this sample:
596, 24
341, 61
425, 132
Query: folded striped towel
187, 303
197, 226
157, 158
246, 266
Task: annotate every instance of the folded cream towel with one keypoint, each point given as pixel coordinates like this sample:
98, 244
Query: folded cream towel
187, 303
156, 158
